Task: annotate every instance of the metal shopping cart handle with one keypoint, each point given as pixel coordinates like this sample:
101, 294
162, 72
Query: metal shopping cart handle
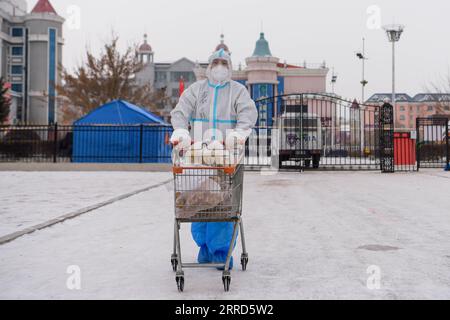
229, 170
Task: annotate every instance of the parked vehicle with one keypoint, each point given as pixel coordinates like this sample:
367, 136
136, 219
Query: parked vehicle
301, 138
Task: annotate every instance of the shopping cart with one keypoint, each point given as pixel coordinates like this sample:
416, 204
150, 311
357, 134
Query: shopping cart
208, 194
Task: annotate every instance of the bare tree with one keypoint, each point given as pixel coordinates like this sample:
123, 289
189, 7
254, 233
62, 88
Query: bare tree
68, 113
5, 102
110, 76
442, 88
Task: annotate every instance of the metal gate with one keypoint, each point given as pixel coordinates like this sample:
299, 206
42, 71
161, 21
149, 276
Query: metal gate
387, 146
433, 149
317, 131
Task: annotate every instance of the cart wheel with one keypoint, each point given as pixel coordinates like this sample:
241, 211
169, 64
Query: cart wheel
174, 262
180, 283
244, 262
226, 282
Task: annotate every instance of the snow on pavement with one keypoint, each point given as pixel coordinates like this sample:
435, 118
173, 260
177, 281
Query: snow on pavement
311, 235
31, 198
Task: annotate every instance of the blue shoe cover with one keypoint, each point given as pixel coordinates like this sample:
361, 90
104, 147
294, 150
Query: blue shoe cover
204, 256
221, 257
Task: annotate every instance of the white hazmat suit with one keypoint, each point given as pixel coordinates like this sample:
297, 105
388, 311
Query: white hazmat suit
217, 109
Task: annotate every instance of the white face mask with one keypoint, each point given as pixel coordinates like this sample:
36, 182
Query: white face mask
219, 73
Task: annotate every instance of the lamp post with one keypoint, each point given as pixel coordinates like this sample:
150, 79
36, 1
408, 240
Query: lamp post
364, 82
334, 79
363, 58
394, 32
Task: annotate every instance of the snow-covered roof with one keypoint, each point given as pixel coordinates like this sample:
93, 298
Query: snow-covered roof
403, 97
380, 97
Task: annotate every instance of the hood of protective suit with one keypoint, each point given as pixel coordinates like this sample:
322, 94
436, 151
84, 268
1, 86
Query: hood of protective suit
221, 55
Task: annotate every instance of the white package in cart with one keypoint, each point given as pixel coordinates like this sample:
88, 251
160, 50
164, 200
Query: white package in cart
212, 154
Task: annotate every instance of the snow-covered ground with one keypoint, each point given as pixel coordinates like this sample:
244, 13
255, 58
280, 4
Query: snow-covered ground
31, 198
310, 235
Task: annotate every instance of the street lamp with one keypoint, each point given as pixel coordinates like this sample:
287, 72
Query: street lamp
334, 79
364, 82
394, 32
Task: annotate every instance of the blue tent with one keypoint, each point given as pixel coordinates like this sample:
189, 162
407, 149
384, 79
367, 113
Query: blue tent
120, 132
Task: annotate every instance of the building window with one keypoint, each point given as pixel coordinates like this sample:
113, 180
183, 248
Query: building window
16, 70
17, 87
402, 108
17, 51
52, 76
430, 108
402, 118
161, 76
447, 108
17, 32
187, 76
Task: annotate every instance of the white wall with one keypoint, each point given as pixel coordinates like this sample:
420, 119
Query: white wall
17, 7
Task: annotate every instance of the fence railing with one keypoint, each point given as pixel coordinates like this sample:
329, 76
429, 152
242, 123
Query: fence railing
150, 144
86, 143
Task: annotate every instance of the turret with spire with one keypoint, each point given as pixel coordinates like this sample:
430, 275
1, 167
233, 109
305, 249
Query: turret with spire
145, 56
262, 47
262, 66
43, 6
44, 25
222, 45
145, 52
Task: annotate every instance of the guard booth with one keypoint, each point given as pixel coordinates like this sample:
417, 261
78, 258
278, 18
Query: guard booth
120, 132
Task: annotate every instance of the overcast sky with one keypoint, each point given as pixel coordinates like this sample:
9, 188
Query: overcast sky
314, 31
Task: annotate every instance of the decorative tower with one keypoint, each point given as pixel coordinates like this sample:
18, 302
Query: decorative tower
262, 74
222, 45
199, 70
44, 39
145, 52
145, 55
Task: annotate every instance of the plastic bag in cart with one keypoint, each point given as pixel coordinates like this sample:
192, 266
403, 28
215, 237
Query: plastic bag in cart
200, 193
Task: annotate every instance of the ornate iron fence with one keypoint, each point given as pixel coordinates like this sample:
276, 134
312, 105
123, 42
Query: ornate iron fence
86, 143
321, 131
305, 131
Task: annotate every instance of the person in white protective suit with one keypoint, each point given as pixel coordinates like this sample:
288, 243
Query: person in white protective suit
217, 109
